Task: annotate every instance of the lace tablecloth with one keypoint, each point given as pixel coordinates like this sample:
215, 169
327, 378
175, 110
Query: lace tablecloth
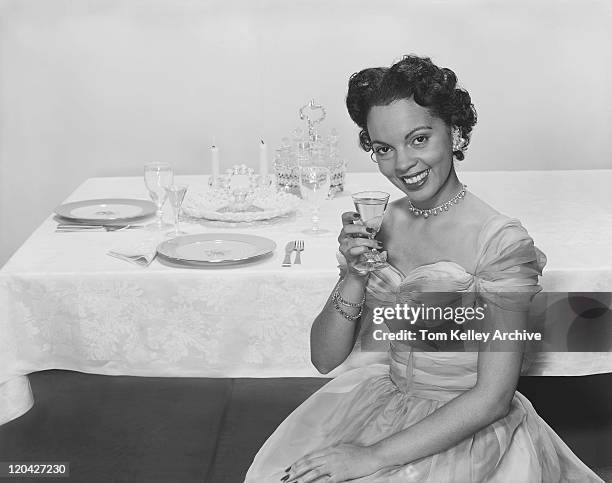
65, 304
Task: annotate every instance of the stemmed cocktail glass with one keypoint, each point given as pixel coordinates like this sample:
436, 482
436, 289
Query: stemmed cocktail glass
176, 195
371, 205
158, 177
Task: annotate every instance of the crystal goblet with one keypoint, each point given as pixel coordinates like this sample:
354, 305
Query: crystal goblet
314, 186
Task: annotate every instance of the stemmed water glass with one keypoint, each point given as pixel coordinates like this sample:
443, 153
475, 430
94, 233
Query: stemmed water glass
176, 195
158, 177
314, 186
371, 205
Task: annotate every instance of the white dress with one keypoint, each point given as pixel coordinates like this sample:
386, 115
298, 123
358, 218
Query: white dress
367, 404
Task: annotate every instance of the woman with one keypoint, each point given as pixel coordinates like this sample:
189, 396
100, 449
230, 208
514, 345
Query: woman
428, 416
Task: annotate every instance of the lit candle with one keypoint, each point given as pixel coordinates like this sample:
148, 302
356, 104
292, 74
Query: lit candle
214, 160
263, 159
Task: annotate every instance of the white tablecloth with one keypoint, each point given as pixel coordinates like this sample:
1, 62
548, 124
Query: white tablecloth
65, 304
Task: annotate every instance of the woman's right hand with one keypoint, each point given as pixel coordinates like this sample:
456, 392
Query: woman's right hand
354, 240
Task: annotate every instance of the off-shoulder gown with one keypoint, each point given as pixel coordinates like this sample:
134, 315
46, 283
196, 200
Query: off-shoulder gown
367, 404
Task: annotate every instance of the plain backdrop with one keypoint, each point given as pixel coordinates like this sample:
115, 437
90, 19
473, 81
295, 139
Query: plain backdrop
100, 87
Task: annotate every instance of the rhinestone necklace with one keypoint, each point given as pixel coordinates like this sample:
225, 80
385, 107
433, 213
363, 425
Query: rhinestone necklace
438, 209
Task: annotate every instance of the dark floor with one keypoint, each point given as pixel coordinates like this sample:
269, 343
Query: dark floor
131, 429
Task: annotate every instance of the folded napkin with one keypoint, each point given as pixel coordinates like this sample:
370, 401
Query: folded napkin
141, 254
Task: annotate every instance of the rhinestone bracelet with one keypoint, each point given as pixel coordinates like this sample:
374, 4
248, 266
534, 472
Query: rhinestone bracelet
338, 308
346, 303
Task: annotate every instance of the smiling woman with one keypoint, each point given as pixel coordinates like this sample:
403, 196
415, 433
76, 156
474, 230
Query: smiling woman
417, 160
415, 120
429, 415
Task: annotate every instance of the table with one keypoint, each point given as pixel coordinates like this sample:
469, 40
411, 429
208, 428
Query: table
65, 304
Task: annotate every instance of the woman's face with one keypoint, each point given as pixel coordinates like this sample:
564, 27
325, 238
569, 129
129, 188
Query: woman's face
413, 150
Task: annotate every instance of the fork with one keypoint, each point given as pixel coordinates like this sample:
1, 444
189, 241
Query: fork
299, 247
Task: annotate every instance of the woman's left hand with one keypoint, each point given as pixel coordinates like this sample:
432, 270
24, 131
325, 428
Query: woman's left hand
334, 464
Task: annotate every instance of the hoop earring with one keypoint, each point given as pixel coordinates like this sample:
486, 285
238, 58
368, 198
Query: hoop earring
372, 154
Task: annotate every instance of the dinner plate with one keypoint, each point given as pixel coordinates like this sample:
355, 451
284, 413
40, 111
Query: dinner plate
115, 210
215, 249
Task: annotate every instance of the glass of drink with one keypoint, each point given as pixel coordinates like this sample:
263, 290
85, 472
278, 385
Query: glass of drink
176, 195
371, 205
314, 186
158, 177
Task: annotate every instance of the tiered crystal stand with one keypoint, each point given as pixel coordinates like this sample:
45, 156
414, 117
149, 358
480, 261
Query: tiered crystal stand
306, 148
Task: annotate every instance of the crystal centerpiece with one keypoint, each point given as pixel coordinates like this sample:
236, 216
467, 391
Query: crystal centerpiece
236, 187
239, 196
306, 148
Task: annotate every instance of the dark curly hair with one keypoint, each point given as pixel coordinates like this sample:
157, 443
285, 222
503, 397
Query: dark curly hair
415, 77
